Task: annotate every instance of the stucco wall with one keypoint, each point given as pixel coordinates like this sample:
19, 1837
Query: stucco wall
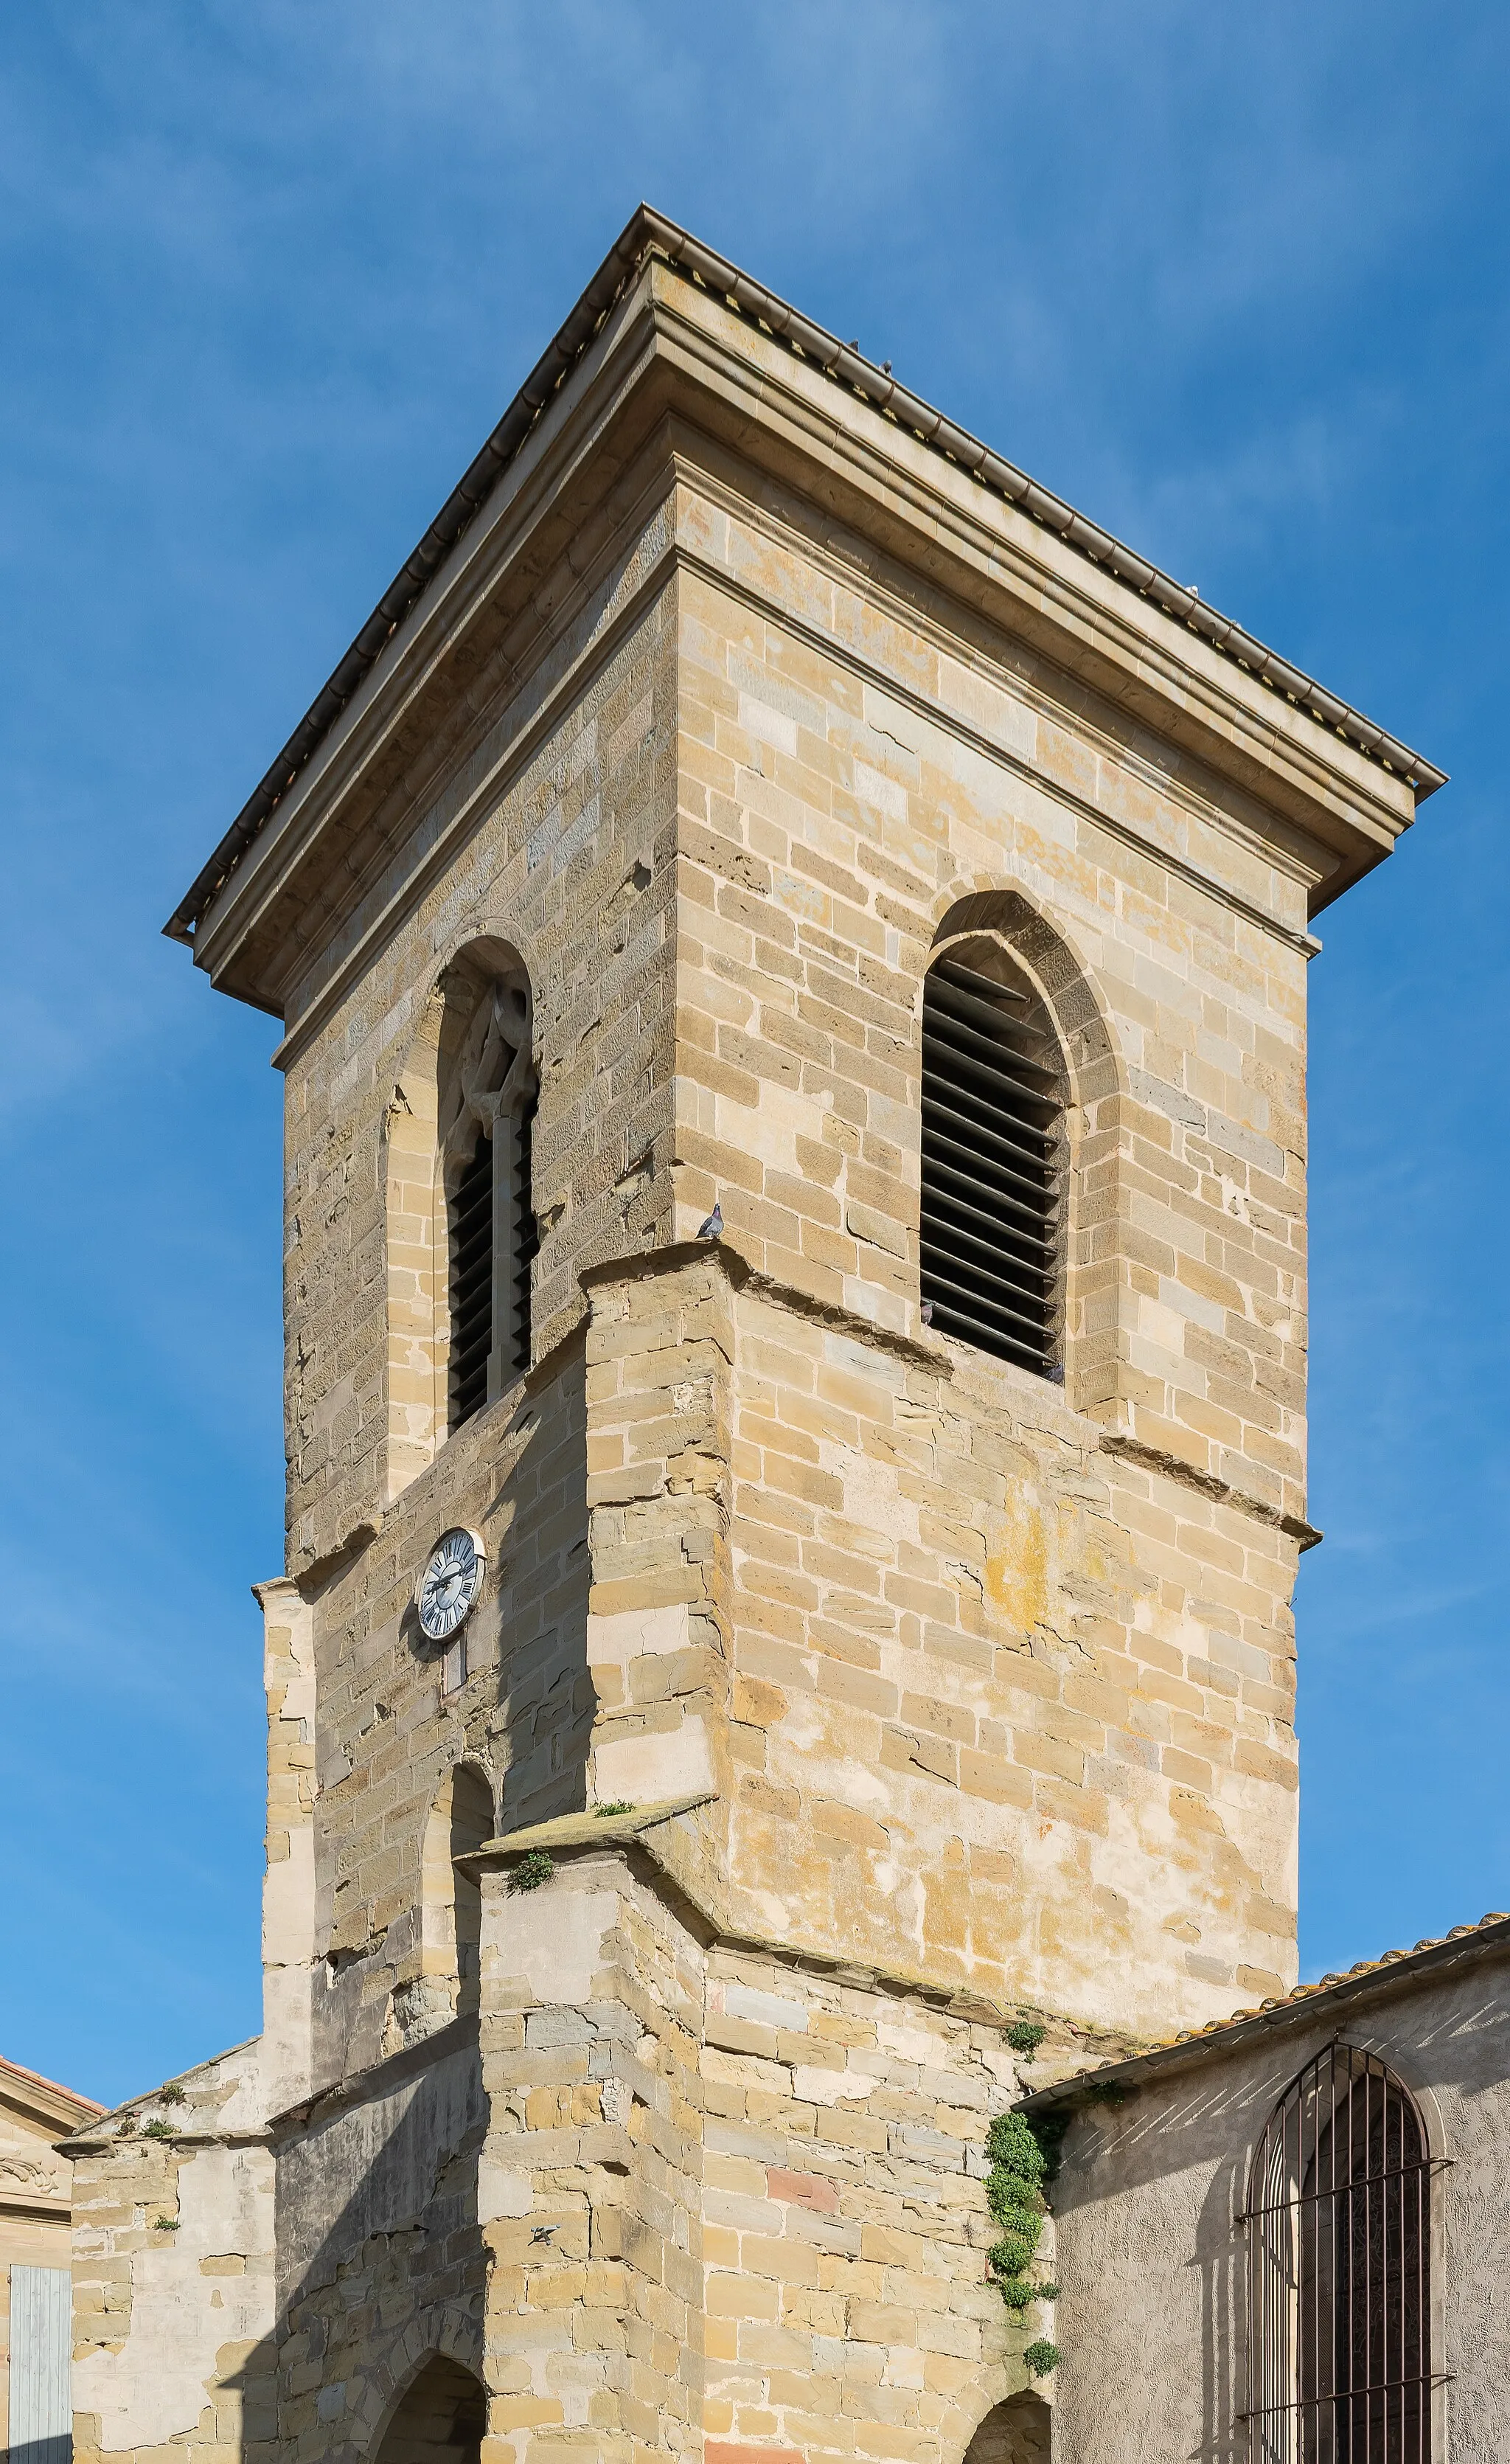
1151, 2265
173, 2288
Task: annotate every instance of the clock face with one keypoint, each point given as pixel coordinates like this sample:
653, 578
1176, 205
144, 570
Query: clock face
451, 1583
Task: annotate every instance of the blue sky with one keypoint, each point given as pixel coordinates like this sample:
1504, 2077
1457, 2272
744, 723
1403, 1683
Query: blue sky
1234, 281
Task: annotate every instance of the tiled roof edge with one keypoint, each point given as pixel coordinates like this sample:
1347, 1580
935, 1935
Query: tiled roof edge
1218, 2036
54, 2087
647, 232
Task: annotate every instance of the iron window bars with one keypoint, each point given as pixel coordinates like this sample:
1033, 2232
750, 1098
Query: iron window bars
1339, 2271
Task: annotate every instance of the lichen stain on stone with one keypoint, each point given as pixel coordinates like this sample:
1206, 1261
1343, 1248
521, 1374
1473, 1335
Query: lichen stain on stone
1017, 1564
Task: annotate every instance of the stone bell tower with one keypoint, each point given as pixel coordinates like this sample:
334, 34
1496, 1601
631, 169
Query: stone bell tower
858, 1690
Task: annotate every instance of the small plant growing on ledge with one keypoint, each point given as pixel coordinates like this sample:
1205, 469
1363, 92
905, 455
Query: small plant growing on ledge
1024, 2036
1042, 2357
619, 1805
536, 1866
1105, 2091
164, 2224
158, 2128
1025, 2156
127, 2126
172, 2094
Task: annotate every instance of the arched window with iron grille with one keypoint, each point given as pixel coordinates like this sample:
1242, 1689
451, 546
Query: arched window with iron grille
993, 1163
1339, 2271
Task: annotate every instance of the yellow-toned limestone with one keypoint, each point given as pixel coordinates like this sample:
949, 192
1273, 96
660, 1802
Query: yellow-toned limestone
856, 1691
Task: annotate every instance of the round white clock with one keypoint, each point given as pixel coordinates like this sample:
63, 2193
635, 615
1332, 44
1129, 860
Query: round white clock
449, 1586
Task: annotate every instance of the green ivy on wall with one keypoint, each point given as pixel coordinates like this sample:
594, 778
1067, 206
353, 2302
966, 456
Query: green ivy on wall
1024, 2159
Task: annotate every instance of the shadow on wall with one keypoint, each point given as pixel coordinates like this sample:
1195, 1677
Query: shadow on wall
1199, 2131
544, 1570
1014, 2433
378, 2350
441, 2419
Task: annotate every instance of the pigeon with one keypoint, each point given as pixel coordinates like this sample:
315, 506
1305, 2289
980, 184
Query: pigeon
711, 1228
927, 1313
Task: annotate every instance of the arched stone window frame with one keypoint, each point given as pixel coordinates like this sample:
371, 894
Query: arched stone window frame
469, 1070
1095, 1282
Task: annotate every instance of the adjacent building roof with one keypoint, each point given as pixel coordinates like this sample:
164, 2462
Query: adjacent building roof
1491, 1932
648, 232
22, 2083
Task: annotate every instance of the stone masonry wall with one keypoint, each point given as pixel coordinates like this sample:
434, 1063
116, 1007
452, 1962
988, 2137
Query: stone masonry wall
661, 1349
983, 1700
1014, 1667
726, 2193
389, 1729
380, 2261
1006, 1707
173, 2275
572, 866
852, 765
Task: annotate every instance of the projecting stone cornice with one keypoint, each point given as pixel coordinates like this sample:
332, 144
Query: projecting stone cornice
673, 382
632, 1831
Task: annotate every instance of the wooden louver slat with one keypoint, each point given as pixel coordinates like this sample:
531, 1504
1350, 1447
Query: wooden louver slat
526, 1237
992, 1169
472, 1244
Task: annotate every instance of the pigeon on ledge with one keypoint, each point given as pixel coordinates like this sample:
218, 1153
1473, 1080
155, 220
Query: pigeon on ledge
711, 1228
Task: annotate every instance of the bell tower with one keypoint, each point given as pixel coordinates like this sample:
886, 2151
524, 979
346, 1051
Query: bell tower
792, 950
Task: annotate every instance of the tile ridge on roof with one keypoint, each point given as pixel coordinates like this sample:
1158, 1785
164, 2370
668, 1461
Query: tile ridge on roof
648, 233
1275, 2007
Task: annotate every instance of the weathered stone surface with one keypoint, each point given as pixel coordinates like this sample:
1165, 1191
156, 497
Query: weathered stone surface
931, 1692
1151, 2255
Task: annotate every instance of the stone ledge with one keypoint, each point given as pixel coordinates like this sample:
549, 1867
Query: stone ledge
572, 1834
569, 1832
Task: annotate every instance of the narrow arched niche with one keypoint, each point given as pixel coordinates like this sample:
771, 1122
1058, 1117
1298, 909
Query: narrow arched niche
441, 2419
1001, 933
1015, 2432
450, 1929
458, 1154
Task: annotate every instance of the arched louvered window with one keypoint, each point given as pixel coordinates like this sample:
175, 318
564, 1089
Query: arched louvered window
485, 1122
994, 1160
1339, 2271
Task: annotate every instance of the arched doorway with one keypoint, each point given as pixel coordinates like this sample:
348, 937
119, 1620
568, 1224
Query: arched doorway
1014, 2433
441, 2419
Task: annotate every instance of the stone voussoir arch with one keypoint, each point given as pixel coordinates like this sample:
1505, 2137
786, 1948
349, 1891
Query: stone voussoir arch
444, 2332
1058, 970
414, 1243
996, 2419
